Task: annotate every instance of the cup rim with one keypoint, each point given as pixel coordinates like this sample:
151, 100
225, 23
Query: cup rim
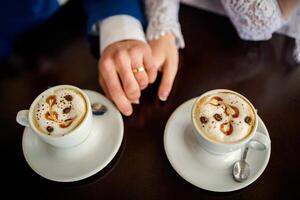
242, 141
32, 106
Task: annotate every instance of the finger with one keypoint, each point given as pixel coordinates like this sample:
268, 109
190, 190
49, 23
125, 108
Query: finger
130, 85
168, 76
114, 87
150, 65
138, 68
103, 86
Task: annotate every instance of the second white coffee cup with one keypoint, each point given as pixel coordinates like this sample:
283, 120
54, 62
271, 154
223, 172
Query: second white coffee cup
254, 139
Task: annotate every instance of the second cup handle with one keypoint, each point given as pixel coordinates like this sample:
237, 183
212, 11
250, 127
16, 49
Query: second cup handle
22, 117
260, 142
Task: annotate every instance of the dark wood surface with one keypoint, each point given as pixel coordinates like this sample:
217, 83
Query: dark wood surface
214, 57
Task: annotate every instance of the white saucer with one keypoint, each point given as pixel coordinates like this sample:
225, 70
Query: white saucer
197, 166
84, 160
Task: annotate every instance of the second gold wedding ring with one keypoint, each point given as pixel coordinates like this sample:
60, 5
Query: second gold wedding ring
138, 69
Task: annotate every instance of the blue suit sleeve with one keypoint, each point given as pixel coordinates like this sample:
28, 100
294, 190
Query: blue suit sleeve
17, 16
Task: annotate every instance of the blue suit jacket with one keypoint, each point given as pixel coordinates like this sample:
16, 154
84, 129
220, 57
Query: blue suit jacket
18, 16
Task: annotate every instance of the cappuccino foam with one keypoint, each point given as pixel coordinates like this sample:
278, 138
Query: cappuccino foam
59, 111
224, 117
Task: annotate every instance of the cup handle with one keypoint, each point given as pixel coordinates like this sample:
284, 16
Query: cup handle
22, 117
259, 142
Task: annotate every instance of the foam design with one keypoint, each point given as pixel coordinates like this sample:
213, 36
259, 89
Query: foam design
59, 111
224, 117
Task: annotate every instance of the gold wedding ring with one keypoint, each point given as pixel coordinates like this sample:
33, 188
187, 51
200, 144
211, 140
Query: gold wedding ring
138, 69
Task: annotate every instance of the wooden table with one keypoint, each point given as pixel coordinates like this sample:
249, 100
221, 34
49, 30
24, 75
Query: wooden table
214, 57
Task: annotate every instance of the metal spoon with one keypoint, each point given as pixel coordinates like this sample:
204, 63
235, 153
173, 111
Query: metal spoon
98, 109
241, 169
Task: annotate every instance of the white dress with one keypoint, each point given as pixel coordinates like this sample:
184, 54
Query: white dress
253, 19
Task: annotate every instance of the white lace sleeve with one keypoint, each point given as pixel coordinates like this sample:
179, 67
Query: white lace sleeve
294, 28
259, 19
162, 16
296, 53
254, 19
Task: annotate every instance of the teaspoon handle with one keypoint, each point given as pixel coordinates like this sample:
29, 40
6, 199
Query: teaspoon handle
245, 153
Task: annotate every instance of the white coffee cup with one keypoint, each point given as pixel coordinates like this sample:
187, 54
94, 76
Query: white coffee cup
73, 137
254, 139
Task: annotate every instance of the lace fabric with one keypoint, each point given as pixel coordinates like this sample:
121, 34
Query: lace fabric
259, 19
162, 18
294, 27
253, 20
296, 54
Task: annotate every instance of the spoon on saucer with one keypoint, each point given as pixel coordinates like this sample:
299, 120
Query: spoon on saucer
241, 169
98, 109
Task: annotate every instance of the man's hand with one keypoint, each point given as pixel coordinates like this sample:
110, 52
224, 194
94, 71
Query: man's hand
116, 76
165, 54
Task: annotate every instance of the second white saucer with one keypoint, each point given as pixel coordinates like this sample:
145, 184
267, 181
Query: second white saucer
200, 168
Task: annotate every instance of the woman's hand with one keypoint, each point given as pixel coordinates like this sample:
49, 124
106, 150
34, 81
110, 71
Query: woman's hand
165, 54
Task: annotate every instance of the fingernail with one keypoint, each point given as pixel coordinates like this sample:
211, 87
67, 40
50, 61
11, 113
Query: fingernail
127, 112
152, 81
136, 101
144, 87
163, 96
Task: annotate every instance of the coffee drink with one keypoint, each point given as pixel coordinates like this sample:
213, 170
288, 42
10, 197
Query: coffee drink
59, 111
224, 117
